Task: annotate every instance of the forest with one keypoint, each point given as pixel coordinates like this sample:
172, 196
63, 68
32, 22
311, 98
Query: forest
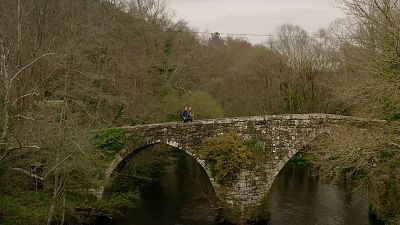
70, 67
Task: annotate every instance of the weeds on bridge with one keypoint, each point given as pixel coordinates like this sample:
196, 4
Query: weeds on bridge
111, 139
228, 154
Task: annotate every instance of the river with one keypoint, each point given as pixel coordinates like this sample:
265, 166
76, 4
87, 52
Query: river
183, 195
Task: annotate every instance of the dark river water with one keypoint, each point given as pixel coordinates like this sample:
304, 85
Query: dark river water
183, 195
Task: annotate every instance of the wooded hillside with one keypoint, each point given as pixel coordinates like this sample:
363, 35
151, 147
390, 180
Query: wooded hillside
69, 67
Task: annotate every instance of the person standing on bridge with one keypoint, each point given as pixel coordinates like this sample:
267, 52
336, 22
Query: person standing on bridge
190, 114
186, 115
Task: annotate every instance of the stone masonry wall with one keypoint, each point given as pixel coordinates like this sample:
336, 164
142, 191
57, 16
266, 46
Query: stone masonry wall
282, 136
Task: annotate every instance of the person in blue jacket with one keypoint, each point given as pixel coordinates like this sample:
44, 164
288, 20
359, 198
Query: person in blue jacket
186, 115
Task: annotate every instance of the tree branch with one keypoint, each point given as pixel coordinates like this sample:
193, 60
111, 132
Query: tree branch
29, 174
24, 96
394, 144
24, 117
28, 65
59, 163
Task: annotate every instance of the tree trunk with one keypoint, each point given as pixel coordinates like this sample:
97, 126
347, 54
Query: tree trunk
51, 212
63, 209
54, 200
6, 106
19, 37
6, 125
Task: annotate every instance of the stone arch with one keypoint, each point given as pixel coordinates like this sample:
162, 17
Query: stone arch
125, 155
304, 142
282, 136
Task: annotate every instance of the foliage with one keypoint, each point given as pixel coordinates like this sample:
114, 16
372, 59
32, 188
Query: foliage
145, 167
384, 194
370, 157
262, 214
227, 155
151, 162
24, 207
228, 215
298, 159
3, 168
115, 206
111, 139
203, 104
254, 144
390, 109
110, 74
133, 139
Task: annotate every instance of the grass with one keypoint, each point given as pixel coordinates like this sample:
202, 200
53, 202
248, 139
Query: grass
24, 207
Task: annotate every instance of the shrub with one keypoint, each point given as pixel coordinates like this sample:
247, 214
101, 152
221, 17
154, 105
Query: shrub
204, 105
298, 159
112, 139
115, 205
3, 168
227, 155
24, 207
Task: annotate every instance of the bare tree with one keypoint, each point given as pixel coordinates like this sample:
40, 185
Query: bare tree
369, 158
374, 50
10, 100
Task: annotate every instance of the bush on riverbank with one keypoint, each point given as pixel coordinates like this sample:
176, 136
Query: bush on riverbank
32, 208
115, 206
370, 158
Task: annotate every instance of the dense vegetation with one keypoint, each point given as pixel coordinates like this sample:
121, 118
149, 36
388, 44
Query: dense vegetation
227, 155
368, 158
68, 67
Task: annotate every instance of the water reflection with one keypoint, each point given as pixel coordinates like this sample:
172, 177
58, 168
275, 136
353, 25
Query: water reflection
183, 195
297, 198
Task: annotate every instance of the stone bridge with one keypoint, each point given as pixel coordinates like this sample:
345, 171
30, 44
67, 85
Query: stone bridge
282, 136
